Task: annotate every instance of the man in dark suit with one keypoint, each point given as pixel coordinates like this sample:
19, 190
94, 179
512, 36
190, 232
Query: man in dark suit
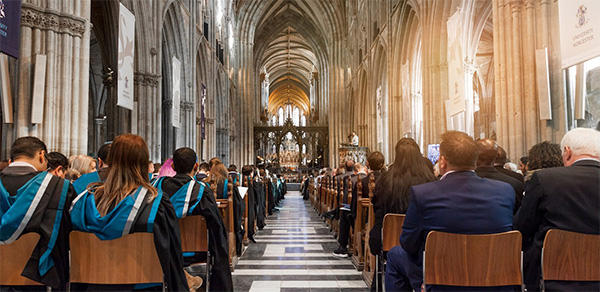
488, 150
460, 202
566, 198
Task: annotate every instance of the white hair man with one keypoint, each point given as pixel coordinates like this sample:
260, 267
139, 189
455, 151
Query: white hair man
566, 198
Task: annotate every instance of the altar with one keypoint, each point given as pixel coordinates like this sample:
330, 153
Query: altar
355, 153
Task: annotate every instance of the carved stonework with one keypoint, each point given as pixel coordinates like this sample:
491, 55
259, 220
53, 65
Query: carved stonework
46, 19
187, 106
146, 79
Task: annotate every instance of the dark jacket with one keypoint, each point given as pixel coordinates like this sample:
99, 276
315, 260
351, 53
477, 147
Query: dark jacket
461, 202
493, 173
509, 172
566, 198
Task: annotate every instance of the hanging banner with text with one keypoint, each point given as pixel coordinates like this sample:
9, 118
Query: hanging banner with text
176, 93
579, 30
10, 27
126, 53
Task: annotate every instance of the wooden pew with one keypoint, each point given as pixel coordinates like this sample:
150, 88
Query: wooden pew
194, 238
226, 208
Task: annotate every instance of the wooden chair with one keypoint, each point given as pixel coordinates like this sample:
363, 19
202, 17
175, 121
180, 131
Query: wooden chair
570, 256
226, 208
390, 237
370, 260
194, 238
14, 257
131, 259
481, 260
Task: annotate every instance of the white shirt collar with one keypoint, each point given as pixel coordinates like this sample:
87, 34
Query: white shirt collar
22, 163
451, 171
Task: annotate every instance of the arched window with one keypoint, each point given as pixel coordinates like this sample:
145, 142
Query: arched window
281, 116
296, 116
303, 120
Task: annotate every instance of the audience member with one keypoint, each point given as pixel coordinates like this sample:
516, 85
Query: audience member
57, 164
523, 165
190, 198
26, 185
104, 208
543, 155
96, 176
460, 202
564, 198
203, 170
488, 150
502, 159
248, 182
167, 169
391, 194
346, 214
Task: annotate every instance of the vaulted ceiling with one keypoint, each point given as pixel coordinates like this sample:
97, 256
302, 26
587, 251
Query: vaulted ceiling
290, 40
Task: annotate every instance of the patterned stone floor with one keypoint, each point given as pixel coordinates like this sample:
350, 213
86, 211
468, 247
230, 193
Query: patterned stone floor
294, 253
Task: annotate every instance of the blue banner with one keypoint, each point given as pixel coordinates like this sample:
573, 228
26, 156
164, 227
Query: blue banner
10, 27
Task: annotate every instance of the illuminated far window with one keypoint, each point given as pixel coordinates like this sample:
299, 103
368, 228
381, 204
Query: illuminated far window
303, 120
296, 116
281, 116
274, 121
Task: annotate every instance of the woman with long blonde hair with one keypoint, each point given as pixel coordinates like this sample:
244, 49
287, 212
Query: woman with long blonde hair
127, 203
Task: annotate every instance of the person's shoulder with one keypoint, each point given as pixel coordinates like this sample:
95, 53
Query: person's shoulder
426, 187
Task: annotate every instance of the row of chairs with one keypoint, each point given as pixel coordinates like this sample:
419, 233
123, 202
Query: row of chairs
470, 260
131, 259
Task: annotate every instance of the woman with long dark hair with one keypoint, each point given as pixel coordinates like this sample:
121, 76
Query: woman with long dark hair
104, 208
391, 192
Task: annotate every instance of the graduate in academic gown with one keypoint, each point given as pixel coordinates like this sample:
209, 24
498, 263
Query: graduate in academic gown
97, 176
248, 182
126, 203
32, 200
222, 185
260, 195
193, 198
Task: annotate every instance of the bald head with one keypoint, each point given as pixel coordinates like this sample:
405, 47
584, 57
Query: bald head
488, 151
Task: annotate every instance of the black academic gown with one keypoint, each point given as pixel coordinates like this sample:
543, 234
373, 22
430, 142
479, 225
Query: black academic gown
238, 210
259, 192
249, 183
220, 275
50, 217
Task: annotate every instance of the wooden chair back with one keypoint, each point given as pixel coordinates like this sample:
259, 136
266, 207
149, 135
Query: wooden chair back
131, 259
570, 256
14, 257
226, 207
194, 234
481, 260
391, 230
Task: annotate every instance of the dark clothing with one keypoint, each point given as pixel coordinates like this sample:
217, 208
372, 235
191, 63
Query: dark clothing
566, 198
251, 197
461, 202
201, 176
509, 172
259, 191
220, 275
492, 173
49, 262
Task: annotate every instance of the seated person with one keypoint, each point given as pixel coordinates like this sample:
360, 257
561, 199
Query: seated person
347, 215
488, 150
104, 208
564, 198
542, 155
189, 198
261, 198
222, 185
234, 175
460, 202
203, 170
97, 176
26, 186
58, 164
248, 182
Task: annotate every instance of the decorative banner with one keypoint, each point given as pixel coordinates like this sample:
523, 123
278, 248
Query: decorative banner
10, 27
579, 30
126, 53
203, 113
456, 102
5, 90
379, 116
176, 91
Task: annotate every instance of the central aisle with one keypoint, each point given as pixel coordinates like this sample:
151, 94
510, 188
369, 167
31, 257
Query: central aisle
294, 253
